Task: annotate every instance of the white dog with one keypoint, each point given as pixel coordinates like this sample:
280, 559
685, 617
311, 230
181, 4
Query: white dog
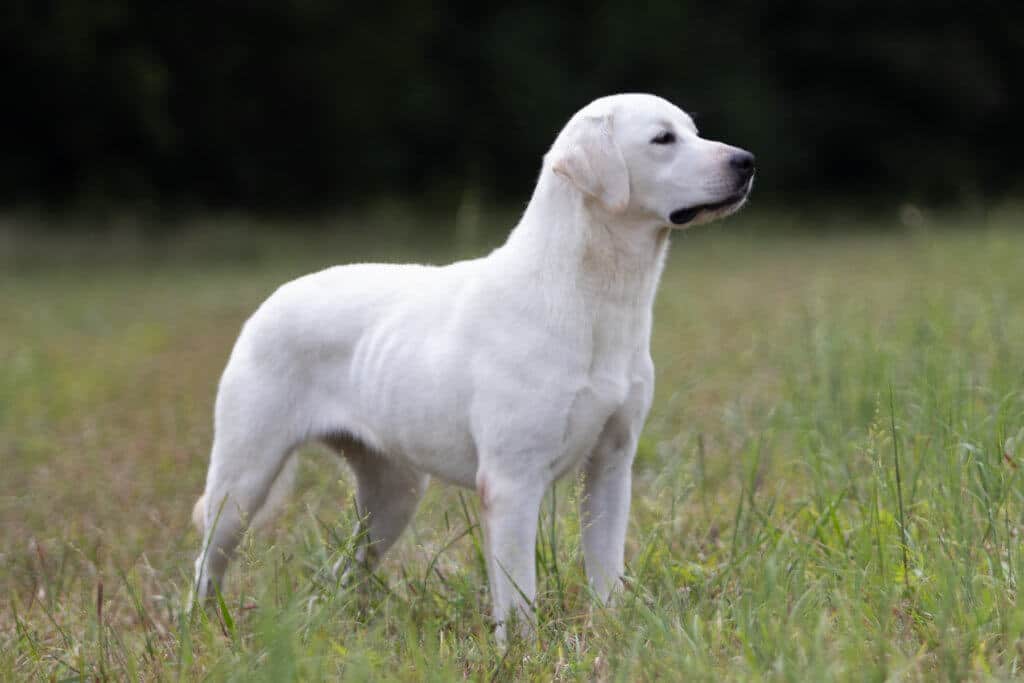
500, 374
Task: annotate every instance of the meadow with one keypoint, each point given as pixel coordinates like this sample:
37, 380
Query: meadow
829, 486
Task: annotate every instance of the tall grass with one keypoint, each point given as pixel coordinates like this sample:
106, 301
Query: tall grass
828, 488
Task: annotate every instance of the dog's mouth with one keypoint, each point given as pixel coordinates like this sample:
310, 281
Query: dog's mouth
726, 206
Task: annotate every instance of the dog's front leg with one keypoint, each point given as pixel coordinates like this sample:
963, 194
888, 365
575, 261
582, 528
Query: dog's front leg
604, 513
510, 511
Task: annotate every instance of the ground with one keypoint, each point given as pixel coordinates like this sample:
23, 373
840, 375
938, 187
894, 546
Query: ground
828, 487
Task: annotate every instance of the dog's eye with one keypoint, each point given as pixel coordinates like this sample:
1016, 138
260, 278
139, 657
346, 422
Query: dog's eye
666, 138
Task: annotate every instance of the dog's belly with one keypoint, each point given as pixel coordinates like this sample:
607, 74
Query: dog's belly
440, 446
422, 435
412, 400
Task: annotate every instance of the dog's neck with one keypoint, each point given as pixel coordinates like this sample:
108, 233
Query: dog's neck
572, 244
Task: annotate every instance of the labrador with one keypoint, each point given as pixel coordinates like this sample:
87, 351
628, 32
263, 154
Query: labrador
499, 374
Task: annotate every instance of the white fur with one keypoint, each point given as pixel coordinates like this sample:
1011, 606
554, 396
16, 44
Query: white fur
501, 373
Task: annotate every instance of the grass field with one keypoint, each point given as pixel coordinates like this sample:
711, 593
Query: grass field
829, 486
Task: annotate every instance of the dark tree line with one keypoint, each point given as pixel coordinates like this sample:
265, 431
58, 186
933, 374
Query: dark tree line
315, 103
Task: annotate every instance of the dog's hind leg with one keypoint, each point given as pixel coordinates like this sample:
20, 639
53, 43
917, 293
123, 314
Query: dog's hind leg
244, 466
387, 495
276, 498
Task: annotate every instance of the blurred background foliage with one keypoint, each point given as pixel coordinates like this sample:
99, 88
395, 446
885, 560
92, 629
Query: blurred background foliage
317, 104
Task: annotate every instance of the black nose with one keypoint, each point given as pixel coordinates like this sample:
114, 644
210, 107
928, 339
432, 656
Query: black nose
743, 163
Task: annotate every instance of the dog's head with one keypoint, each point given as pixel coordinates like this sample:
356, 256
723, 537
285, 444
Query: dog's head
640, 156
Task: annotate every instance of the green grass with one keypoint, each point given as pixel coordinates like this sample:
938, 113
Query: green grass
829, 486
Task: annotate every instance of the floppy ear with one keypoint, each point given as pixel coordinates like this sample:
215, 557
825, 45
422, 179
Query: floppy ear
589, 158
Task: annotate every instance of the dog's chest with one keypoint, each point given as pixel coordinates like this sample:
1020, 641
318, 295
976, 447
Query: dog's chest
600, 395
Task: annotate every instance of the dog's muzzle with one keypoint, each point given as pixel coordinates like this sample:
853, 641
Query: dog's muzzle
684, 216
742, 164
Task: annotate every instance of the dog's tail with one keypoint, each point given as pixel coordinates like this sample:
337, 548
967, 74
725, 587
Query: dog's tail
199, 514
